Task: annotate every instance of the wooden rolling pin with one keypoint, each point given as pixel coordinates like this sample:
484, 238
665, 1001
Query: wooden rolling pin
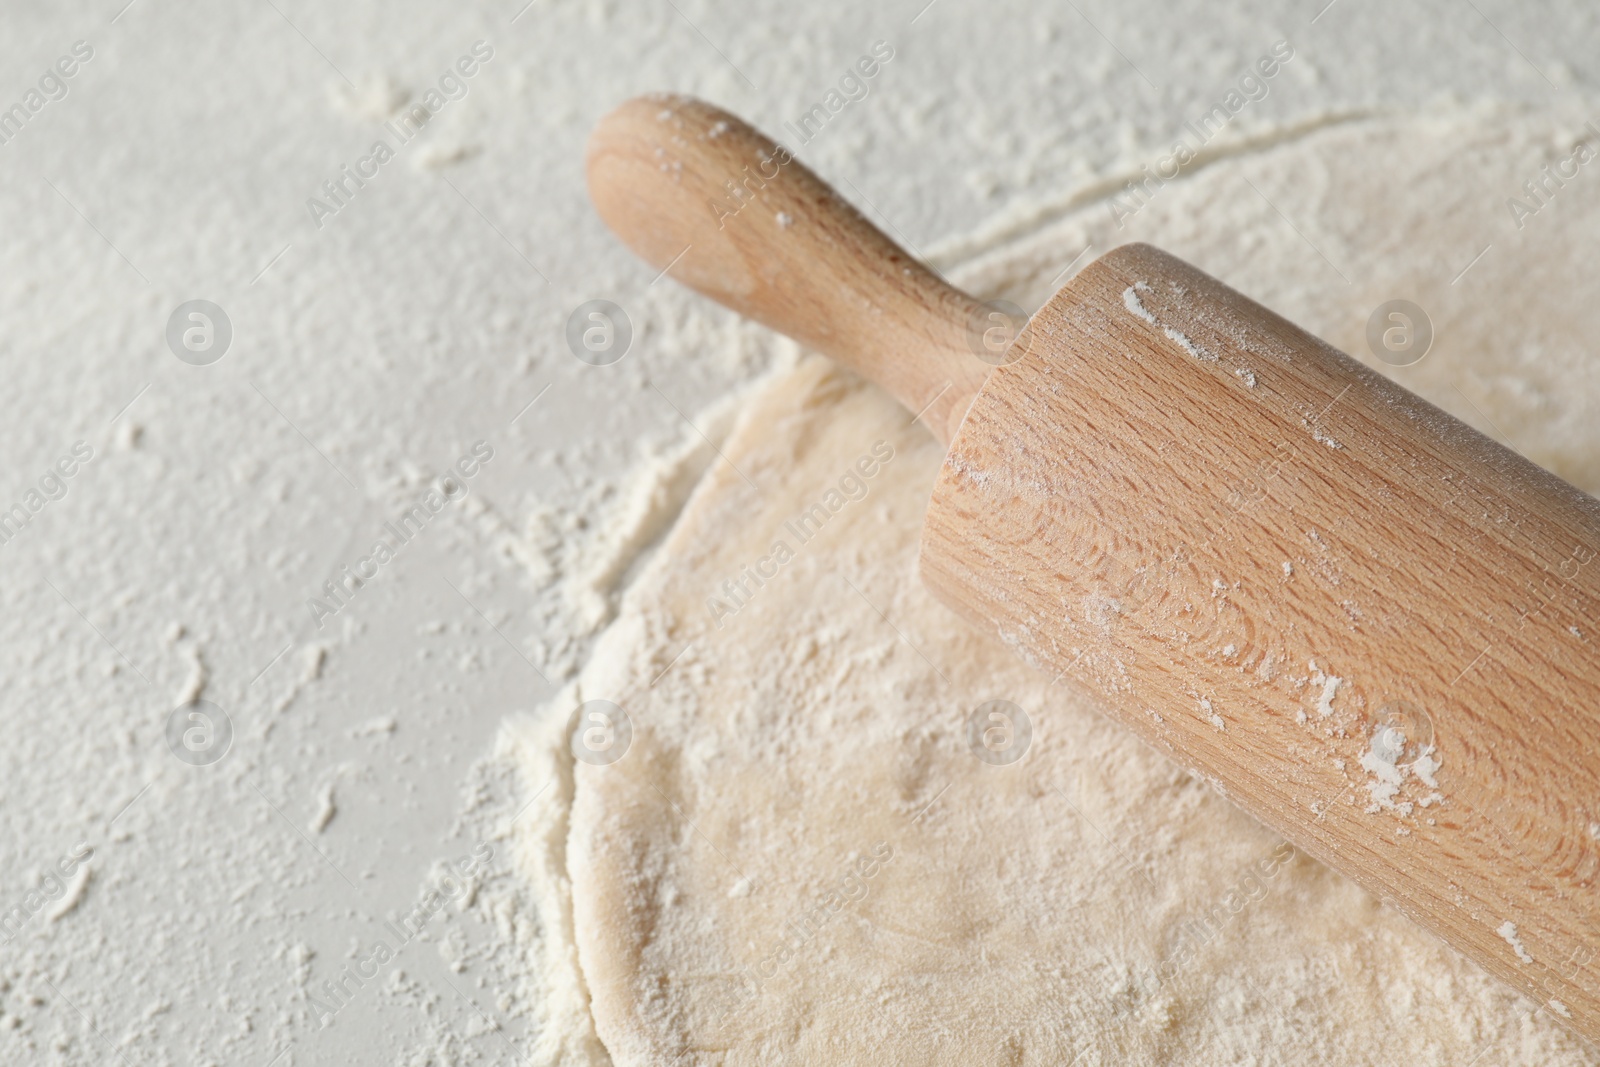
1370, 626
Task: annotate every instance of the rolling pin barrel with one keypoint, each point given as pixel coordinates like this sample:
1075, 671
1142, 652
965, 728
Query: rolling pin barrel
1369, 625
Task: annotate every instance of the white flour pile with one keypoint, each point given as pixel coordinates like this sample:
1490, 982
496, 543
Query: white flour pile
799, 858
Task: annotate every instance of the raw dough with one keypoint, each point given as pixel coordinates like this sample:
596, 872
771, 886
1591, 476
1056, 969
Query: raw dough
800, 859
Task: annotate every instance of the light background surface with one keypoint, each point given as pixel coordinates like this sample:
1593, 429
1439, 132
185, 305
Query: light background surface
371, 352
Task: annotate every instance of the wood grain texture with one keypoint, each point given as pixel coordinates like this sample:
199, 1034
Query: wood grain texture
1182, 500
1276, 565
730, 212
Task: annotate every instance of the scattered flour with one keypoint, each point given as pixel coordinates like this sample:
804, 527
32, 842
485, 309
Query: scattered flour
1385, 748
1131, 301
1508, 932
1384, 761
327, 808
1330, 686
1189, 346
73, 895
1424, 767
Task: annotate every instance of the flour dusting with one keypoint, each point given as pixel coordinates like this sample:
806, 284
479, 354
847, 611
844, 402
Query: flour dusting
1508, 933
1131, 301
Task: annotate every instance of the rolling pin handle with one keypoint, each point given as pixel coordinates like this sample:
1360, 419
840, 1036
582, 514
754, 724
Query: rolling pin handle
720, 207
